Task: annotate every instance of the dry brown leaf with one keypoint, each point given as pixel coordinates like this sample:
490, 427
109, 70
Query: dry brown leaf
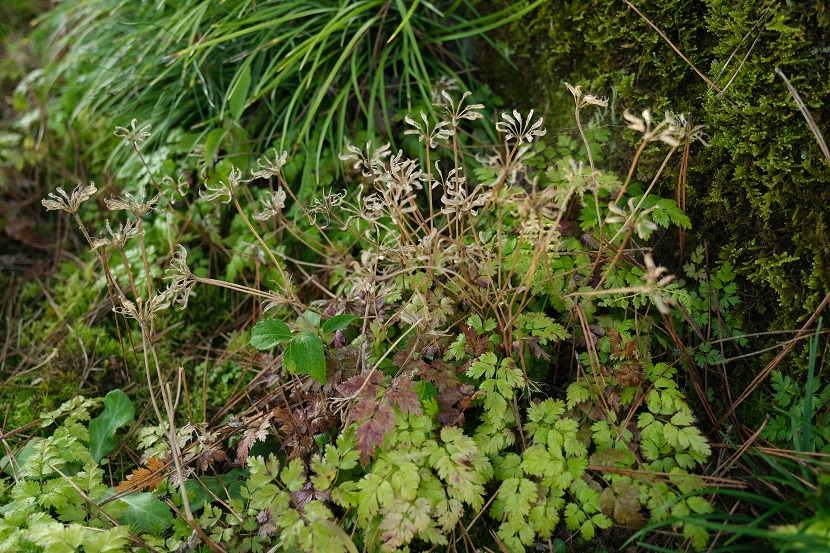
149, 477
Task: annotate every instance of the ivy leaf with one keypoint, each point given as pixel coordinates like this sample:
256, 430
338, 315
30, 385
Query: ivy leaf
305, 355
207, 488
267, 334
338, 322
118, 411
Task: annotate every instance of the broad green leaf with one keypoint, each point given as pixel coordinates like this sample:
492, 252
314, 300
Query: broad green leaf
338, 322
310, 319
212, 143
305, 355
239, 95
146, 513
20, 459
118, 411
267, 334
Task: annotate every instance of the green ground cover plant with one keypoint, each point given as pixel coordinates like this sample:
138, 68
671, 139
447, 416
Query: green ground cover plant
524, 289
396, 348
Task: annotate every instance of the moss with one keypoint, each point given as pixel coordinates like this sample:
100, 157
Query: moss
759, 193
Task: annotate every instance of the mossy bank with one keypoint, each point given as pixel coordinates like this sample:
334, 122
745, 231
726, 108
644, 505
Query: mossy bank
758, 194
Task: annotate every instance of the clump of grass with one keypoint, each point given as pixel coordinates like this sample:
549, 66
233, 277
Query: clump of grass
308, 73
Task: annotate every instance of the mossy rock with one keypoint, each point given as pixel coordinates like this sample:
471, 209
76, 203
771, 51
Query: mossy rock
759, 194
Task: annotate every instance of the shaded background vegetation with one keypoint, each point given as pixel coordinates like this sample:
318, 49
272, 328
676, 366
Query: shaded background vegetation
758, 196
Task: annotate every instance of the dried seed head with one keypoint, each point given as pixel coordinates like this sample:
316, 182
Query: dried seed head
133, 136
276, 299
441, 131
223, 191
181, 278
273, 204
134, 204
324, 207
507, 167
655, 275
369, 161
456, 112
583, 100
118, 237
638, 221
658, 277
520, 129
668, 131
270, 167
442, 85
170, 187
69, 202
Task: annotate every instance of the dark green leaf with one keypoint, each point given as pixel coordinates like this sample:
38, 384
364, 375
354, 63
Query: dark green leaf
212, 143
267, 334
425, 390
338, 322
239, 94
225, 487
305, 355
146, 513
118, 411
310, 318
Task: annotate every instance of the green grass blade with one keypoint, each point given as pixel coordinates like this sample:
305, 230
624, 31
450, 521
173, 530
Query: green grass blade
405, 20
807, 421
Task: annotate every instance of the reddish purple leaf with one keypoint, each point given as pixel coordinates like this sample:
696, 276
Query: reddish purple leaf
370, 434
402, 395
